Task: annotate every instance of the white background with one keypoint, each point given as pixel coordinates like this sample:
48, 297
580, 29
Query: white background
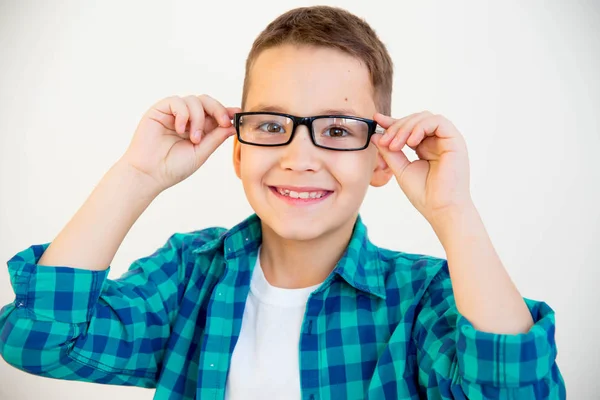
520, 81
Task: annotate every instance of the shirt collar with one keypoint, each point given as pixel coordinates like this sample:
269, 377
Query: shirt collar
360, 265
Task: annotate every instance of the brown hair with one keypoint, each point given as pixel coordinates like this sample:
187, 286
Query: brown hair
331, 27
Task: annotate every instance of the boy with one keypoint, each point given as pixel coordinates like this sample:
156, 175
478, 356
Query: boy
294, 302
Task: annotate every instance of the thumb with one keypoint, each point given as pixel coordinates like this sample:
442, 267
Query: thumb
211, 141
231, 111
396, 160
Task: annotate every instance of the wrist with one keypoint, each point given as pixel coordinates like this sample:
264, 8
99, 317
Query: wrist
454, 222
139, 184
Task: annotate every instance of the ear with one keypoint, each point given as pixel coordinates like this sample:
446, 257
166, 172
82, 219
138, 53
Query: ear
382, 172
237, 156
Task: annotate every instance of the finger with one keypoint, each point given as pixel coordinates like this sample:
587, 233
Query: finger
164, 113
405, 130
392, 130
196, 118
216, 111
390, 125
428, 149
383, 120
431, 127
166, 119
211, 124
231, 111
396, 160
179, 109
211, 141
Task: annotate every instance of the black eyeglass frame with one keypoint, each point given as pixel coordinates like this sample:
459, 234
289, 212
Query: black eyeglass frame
308, 122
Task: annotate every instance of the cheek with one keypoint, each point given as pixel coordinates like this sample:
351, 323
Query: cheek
254, 164
353, 168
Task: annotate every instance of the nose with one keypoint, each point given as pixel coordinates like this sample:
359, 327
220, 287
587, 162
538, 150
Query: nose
300, 154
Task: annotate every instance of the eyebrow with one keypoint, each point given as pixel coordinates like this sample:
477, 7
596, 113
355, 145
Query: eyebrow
327, 111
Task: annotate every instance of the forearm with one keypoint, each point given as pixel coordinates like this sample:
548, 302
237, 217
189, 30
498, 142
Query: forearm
483, 290
92, 237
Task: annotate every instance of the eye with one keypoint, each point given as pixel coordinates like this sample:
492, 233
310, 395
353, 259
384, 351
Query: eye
336, 132
271, 127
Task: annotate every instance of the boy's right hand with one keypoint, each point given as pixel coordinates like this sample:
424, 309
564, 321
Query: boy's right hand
176, 136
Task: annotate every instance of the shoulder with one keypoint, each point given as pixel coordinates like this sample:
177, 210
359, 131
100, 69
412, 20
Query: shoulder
400, 265
178, 255
193, 242
203, 245
198, 238
411, 275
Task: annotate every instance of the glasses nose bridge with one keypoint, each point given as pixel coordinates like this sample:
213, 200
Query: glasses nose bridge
306, 121
299, 154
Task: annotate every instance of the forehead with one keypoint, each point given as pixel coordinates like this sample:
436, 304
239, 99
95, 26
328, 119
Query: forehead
307, 80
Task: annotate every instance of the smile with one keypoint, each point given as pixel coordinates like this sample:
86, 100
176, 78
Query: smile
300, 195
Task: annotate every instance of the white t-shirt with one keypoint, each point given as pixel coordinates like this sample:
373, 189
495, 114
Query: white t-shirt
265, 363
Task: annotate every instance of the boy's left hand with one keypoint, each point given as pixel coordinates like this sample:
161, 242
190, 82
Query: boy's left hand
438, 182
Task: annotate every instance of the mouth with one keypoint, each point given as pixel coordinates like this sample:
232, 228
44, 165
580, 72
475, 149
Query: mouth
300, 195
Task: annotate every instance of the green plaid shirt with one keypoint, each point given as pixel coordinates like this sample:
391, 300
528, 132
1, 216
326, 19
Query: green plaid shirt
383, 325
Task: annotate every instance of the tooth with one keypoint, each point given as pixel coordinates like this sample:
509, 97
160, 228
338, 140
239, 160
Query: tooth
313, 195
304, 195
293, 194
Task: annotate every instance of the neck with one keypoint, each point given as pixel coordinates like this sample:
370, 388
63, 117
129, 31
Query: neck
296, 264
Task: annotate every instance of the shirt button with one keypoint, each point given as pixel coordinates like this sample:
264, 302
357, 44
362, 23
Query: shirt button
220, 294
212, 365
20, 304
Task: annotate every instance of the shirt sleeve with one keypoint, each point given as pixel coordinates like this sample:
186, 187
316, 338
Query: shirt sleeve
75, 324
455, 361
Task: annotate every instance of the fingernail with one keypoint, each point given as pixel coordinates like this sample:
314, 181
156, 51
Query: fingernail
197, 135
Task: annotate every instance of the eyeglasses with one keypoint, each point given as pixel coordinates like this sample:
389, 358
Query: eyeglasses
333, 132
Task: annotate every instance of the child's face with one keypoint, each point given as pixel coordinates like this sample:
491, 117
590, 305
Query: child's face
307, 81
